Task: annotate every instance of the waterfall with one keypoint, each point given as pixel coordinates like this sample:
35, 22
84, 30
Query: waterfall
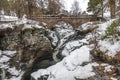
55, 56
31, 78
3, 74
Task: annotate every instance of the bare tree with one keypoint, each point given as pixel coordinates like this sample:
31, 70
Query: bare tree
75, 9
53, 7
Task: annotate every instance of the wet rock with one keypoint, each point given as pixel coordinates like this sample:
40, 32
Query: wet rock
29, 44
117, 57
118, 70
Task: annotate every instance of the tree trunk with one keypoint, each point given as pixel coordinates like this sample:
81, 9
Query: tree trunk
102, 8
112, 8
29, 9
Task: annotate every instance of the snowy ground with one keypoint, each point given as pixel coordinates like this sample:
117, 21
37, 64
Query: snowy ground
8, 18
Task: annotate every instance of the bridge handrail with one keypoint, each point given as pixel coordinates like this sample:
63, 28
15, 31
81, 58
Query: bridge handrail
62, 17
57, 16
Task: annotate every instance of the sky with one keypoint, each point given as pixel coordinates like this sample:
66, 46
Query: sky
83, 4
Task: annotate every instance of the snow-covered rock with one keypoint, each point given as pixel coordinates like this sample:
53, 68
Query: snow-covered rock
8, 18
73, 45
70, 67
5, 57
111, 48
29, 44
64, 32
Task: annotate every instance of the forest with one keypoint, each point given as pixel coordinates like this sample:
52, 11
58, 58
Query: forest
55, 7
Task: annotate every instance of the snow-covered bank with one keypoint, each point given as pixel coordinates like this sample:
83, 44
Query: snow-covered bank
8, 18
28, 24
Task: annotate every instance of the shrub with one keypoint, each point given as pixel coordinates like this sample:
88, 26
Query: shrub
111, 31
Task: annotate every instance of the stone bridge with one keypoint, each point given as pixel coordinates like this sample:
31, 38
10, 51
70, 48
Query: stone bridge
74, 21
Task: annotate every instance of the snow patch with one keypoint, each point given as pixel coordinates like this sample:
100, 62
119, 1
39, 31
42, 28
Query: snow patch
8, 18
77, 57
9, 53
103, 27
13, 71
110, 48
4, 59
7, 25
114, 78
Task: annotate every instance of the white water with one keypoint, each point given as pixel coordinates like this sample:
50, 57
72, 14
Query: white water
3, 74
55, 56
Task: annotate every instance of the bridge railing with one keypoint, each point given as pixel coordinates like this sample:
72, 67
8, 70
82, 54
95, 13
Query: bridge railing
56, 16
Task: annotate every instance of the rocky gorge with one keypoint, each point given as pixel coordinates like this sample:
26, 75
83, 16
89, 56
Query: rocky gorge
31, 51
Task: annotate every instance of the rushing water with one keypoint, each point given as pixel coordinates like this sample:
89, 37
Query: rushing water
55, 56
2, 74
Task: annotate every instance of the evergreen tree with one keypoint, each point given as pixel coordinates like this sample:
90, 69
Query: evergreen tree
97, 6
22, 7
31, 7
18, 7
5, 6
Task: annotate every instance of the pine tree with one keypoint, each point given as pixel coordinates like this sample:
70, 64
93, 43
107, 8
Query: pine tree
5, 6
95, 6
18, 7
31, 7
22, 7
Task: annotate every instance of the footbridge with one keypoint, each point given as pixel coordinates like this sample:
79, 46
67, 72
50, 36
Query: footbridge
74, 21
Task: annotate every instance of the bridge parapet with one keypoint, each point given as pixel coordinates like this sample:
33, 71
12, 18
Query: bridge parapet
52, 20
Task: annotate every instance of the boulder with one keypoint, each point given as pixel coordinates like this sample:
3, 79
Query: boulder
30, 45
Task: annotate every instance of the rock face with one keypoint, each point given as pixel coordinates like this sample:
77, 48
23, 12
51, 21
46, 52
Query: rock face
30, 45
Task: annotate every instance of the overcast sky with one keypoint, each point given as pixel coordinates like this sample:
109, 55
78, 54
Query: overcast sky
83, 4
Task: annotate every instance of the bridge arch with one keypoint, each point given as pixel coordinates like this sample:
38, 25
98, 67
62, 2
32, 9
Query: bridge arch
63, 22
